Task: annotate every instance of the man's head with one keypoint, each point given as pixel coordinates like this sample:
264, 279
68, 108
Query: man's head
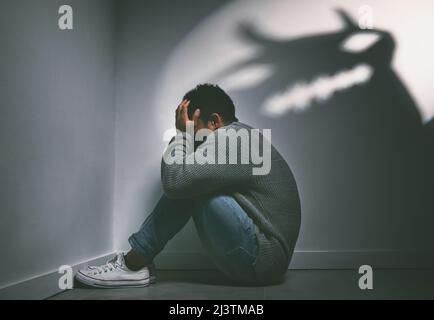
216, 107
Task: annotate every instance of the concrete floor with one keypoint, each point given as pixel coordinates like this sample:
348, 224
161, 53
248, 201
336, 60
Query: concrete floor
298, 284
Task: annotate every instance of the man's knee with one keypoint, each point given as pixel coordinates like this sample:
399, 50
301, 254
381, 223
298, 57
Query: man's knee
211, 209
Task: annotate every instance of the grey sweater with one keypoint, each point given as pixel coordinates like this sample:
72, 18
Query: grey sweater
270, 200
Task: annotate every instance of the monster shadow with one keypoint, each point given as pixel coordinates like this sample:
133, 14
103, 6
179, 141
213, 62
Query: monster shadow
356, 151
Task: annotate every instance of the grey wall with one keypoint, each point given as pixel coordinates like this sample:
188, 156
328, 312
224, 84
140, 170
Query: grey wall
56, 135
148, 32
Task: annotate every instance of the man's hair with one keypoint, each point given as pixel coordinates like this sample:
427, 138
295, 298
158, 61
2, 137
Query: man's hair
210, 98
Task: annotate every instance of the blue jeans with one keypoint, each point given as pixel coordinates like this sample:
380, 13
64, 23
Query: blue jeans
225, 230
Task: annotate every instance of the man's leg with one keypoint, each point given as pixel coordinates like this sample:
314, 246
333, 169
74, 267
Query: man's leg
165, 221
134, 269
229, 236
225, 229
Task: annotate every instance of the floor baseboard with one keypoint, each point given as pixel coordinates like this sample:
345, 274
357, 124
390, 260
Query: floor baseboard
44, 285
312, 260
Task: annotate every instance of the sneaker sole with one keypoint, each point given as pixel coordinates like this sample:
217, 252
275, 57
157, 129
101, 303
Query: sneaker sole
104, 284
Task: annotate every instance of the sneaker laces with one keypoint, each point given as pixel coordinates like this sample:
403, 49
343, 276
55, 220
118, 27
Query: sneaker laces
109, 266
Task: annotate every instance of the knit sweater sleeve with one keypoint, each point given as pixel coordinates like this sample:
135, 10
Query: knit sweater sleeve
186, 173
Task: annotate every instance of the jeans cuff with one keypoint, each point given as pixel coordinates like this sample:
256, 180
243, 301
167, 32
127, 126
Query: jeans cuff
139, 248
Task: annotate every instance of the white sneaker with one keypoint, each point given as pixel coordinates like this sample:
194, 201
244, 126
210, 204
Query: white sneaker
114, 274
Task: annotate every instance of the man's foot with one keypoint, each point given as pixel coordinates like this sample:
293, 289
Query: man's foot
114, 274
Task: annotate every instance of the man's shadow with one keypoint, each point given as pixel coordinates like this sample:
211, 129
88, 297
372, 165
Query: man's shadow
356, 153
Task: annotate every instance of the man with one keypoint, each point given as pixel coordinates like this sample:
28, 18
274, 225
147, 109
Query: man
247, 220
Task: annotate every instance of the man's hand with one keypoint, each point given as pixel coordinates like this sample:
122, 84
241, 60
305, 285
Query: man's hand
182, 116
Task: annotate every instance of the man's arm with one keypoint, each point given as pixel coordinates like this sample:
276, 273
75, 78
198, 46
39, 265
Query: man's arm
186, 178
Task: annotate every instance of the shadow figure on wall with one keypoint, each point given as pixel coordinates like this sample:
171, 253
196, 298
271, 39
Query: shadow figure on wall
347, 124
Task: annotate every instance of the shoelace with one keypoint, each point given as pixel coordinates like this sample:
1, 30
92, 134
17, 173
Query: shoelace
109, 266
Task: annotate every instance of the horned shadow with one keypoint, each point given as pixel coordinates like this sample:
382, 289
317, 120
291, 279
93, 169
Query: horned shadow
357, 154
